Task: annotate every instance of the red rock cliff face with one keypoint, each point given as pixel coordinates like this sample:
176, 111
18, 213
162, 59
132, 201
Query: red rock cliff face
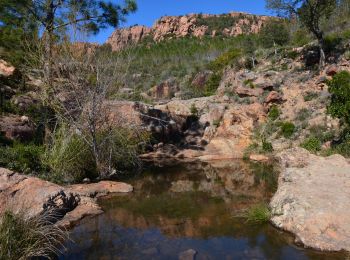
189, 25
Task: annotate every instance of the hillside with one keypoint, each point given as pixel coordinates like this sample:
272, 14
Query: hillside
193, 25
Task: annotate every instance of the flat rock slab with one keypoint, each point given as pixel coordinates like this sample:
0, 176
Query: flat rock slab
313, 199
33, 196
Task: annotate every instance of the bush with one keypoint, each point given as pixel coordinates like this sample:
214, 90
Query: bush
27, 238
274, 113
266, 146
312, 144
274, 32
224, 60
258, 214
212, 84
69, 158
194, 110
287, 129
22, 158
339, 87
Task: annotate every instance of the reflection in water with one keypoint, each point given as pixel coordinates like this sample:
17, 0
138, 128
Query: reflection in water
193, 206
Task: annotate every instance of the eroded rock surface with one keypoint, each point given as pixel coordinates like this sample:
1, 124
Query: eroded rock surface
188, 25
34, 196
312, 200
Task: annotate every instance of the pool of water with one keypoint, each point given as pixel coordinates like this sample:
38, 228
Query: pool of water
181, 207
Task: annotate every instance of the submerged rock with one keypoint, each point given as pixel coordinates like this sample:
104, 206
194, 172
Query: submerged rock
312, 200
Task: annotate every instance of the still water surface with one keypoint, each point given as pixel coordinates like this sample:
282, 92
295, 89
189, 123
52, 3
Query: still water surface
188, 206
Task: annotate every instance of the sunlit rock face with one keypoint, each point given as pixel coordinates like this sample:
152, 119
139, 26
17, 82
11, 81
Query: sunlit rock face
196, 25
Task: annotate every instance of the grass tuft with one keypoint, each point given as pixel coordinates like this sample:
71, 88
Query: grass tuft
24, 237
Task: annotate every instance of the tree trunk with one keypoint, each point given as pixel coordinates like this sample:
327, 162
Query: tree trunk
48, 75
322, 53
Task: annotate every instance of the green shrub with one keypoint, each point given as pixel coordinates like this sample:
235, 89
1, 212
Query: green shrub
312, 144
339, 87
287, 129
212, 84
24, 237
266, 146
22, 158
258, 214
331, 42
194, 110
69, 158
274, 32
225, 59
274, 113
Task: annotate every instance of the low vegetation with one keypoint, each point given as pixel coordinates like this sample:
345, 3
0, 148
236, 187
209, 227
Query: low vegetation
24, 237
258, 214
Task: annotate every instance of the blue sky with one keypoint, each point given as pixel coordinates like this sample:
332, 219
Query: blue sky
150, 10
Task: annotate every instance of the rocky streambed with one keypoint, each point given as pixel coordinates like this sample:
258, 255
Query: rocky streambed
197, 206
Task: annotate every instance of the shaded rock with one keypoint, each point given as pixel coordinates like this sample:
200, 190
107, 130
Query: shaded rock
188, 255
165, 90
248, 92
332, 70
201, 79
312, 200
274, 97
16, 127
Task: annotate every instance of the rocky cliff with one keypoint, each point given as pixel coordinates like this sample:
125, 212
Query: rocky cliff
196, 25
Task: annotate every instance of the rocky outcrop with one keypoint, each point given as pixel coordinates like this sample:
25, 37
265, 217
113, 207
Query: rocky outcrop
16, 127
195, 25
124, 37
312, 200
33, 196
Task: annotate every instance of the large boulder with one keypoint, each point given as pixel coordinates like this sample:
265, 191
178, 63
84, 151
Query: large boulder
32, 196
312, 200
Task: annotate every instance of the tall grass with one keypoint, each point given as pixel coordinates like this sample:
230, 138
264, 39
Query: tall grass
24, 237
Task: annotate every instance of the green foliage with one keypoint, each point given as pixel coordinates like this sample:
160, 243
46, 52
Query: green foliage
331, 42
312, 144
300, 37
274, 113
216, 23
274, 32
287, 129
22, 158
310, 96
212, 84
225, 59
69, 158
266, 146
258, 214
24, 237
339, 87
194, 110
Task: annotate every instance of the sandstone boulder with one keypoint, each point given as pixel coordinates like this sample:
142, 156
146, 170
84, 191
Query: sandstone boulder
312, 200
33, 196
